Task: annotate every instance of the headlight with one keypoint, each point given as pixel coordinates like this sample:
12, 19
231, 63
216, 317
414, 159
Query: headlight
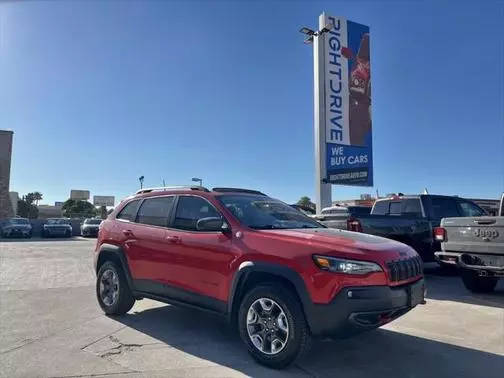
336, 265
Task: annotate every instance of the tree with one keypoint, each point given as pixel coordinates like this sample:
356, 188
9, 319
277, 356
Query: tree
78, 209
306, 201
37, 196
26, 209
33, 197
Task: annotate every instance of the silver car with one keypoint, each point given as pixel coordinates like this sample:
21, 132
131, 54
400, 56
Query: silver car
16, 227
90, 227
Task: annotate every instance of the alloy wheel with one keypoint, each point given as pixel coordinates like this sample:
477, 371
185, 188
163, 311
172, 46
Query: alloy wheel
267, 326
109, 287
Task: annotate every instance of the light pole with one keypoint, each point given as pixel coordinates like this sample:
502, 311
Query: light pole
141, 179
322, 188
195, 179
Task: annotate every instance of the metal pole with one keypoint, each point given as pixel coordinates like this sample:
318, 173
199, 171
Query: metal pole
322, 190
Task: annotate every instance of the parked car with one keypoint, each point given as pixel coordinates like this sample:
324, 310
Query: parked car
57, 227
476, 247
412, 219
337, 216
90, 226
278, 275
16, 227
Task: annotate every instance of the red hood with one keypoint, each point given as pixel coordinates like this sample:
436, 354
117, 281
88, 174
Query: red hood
339, 243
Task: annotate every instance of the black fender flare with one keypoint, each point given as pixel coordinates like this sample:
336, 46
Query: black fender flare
117, 252
248, 267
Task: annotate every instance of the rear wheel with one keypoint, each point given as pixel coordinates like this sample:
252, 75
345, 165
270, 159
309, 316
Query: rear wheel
476, 283
272, 325
112, 290
448, 269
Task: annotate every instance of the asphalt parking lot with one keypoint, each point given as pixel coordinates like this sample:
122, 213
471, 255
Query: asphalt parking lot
51, 326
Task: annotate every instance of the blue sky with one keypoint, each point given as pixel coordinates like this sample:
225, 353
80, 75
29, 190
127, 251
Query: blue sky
100, 93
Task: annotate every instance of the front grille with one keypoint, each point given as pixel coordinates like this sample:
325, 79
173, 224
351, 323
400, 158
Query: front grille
57, 229
404, 269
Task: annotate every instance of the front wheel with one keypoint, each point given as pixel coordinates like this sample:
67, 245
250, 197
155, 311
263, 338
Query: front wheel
478, 284
112, 290
272, 325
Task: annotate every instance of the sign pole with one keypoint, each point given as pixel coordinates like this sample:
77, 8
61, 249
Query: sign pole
322, 189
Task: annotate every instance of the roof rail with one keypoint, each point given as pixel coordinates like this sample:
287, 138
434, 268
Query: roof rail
171, 188
238, 190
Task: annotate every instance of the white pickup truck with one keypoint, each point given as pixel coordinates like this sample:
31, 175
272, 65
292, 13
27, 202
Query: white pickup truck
476, 246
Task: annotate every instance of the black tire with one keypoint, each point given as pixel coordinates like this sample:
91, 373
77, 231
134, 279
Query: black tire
125, 300
448, 269
478, 284
68, 234
299, 337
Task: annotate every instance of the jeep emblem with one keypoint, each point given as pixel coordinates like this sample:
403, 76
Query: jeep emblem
486, 234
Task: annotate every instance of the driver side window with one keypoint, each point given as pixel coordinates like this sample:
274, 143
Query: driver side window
190, 209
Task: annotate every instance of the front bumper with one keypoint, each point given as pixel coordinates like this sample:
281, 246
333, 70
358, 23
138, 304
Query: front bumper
357, 309
57, 231
16, 232
89, 231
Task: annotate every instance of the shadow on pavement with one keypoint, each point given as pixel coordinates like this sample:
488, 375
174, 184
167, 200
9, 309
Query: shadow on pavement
447, 286
375, 354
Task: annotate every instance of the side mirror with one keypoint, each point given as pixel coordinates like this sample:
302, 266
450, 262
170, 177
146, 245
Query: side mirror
212, 224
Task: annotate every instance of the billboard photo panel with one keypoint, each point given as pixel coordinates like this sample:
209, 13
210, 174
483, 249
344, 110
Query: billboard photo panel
348, 126
103, 200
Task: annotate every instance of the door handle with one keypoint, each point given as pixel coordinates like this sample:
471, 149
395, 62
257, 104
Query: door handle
173, 239
128, 233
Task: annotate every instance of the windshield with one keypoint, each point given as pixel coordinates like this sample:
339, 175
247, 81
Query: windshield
93, 221
57, 221
18, 221
264, 213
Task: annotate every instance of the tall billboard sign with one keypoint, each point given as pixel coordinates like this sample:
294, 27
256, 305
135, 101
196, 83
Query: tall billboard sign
342, 99
348, 126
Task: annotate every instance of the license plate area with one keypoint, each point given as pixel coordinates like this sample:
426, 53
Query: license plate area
415, 294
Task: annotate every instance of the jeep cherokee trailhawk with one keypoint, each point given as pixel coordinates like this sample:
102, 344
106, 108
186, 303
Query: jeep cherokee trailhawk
277, 274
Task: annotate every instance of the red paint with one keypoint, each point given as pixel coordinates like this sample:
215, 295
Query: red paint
205, 263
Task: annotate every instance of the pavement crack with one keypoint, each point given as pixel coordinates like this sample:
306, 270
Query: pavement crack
120, 348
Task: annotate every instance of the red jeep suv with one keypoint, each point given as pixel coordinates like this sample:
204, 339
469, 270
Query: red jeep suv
277, 274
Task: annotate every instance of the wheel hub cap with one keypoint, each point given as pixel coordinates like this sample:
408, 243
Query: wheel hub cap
267, 326
109, 287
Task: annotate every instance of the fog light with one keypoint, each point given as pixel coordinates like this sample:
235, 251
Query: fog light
350, 294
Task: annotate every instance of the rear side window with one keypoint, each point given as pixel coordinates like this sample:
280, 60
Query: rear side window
469, 209
395, 208
381, 208
444, 207
411, 207
129, 211
190, 210
359, 210
155, 211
